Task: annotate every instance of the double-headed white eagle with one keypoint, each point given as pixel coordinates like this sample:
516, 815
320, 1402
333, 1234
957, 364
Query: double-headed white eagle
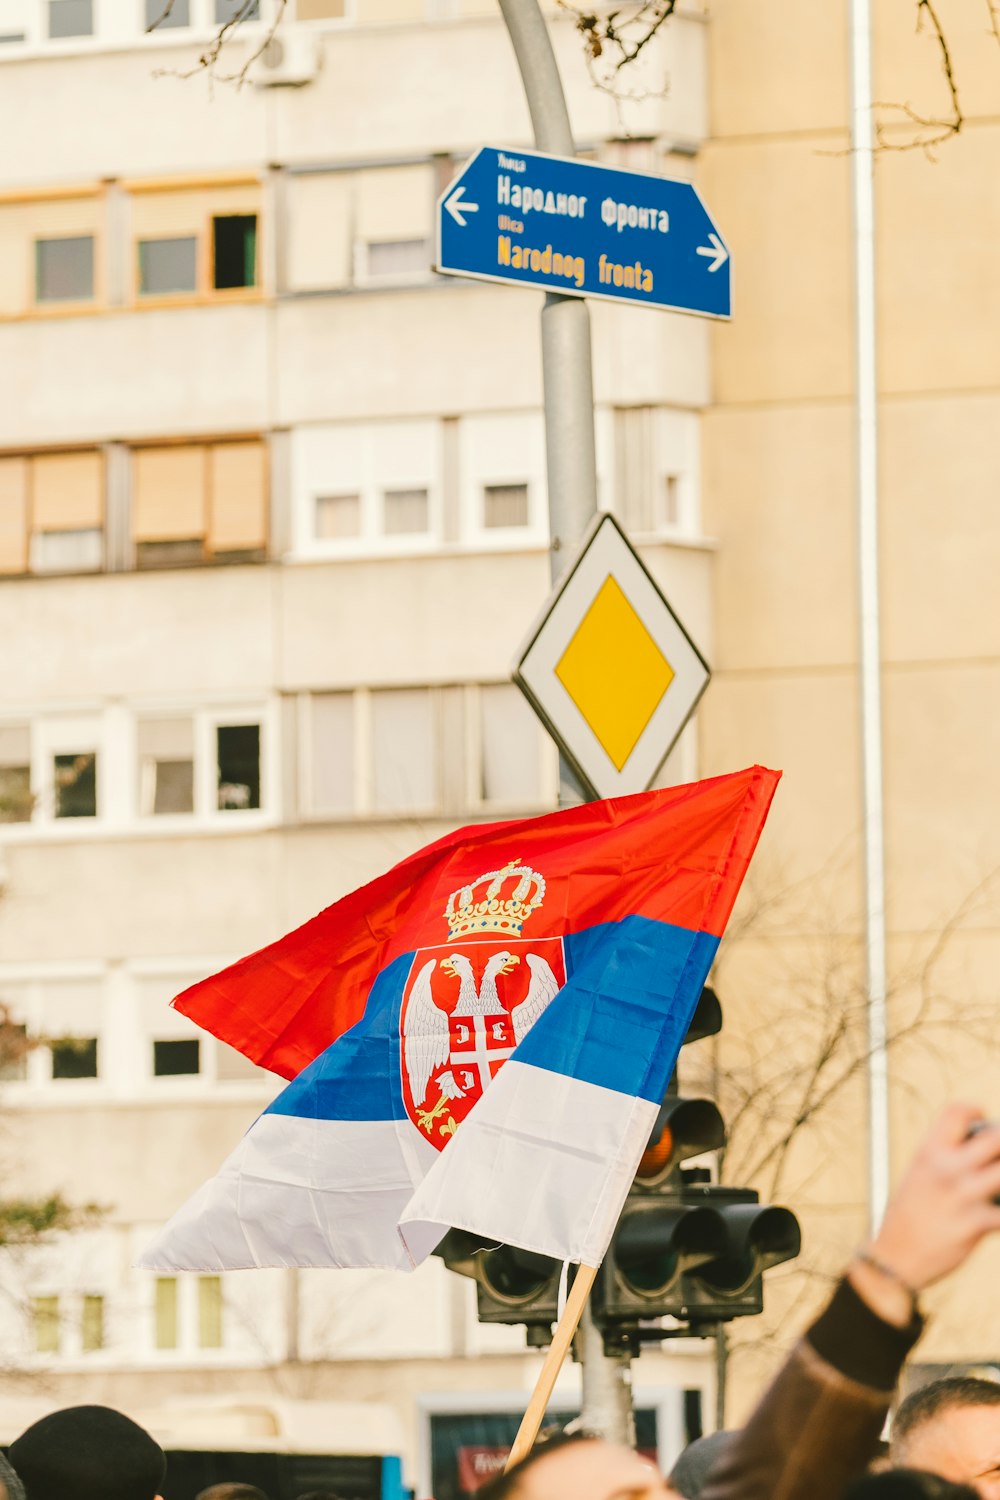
426, 1039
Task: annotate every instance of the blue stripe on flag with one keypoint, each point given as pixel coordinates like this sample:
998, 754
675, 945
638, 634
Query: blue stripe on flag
631, 990
358, 1076
619, 1022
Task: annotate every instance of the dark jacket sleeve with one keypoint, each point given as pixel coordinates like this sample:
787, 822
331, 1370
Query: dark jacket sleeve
819, 1422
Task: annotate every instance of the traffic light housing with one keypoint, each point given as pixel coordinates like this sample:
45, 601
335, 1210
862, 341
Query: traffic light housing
512, 1285
690, 1251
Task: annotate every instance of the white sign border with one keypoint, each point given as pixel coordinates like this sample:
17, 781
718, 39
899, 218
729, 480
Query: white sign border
606, 551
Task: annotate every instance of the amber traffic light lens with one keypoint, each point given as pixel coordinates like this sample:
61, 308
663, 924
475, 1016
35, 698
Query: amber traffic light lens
656, 1156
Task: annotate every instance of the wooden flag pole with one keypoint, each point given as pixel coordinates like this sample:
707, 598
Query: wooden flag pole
558, 1349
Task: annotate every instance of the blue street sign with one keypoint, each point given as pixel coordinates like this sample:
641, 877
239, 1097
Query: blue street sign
584, 230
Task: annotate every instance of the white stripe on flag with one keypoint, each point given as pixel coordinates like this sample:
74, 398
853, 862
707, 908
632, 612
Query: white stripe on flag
543, 1161
302, 1193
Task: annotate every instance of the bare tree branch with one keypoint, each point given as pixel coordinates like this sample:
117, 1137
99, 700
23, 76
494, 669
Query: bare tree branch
246, 10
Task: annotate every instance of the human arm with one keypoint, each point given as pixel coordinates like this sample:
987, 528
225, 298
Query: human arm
819, 1422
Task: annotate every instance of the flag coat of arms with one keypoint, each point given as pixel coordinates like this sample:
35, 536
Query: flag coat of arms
480, 1038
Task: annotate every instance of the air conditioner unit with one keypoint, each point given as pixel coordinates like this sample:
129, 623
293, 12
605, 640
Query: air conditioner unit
290, 59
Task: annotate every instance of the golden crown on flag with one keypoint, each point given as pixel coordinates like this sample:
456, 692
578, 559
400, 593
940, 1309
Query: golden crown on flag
511, 895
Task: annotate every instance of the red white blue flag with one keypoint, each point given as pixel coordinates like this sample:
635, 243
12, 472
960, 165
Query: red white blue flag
480, 1038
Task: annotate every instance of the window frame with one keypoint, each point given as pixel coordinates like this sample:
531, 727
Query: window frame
479, 468
469, 802
207, 447
318, 472
204, 292
111, 731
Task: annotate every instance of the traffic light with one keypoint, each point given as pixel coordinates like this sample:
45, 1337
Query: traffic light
693, 1252
684, 1248
512, 1285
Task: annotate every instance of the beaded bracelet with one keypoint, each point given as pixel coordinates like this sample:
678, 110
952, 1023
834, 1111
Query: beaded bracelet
890, 1273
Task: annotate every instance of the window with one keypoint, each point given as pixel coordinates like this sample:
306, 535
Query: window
671, 499
393, 218
74, 1057
405, 512
501, 457
505, 505
14, 1049
179, 14
75, 784
656, 467
404, 746
234, 251
199, 503
166, 766
198, 241
332, 753
174, 1058
71, 18
238, 766
367, 484
45, 1324
64, 269
337, 516
92, 1323
168, 265
510, 759
165, 1312
236, 10
178, 1322
451, 749
209, 1312
67, 512
16, 800
63, 495
398, 257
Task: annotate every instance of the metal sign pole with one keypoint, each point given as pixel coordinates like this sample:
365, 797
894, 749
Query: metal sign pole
571, 466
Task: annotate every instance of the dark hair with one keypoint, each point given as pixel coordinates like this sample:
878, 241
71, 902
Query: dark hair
88, 1453
907, 1484
504, 1484
231, 1491
930, 1400
692, 1468
319, 1495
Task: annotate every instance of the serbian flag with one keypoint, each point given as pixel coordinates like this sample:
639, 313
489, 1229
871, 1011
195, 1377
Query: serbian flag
480, 1038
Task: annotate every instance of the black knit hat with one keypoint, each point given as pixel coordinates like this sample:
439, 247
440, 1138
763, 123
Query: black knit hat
88, 1453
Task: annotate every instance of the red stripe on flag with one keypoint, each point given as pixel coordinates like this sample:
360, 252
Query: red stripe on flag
676, 855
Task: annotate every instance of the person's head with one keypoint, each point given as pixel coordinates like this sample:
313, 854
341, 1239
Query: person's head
319, 1495
689, 1473
907, 1484
231, 1492
578, 1467
88, 1453
952, 1427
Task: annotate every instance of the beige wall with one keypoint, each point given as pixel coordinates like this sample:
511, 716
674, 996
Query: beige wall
780, 500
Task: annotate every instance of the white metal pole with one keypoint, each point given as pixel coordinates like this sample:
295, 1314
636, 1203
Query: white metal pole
866, 410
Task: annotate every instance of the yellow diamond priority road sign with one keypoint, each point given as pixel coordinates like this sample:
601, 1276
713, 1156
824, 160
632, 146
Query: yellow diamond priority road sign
610, 669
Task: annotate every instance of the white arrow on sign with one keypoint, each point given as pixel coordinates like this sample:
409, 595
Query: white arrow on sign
457, 208
716, 249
